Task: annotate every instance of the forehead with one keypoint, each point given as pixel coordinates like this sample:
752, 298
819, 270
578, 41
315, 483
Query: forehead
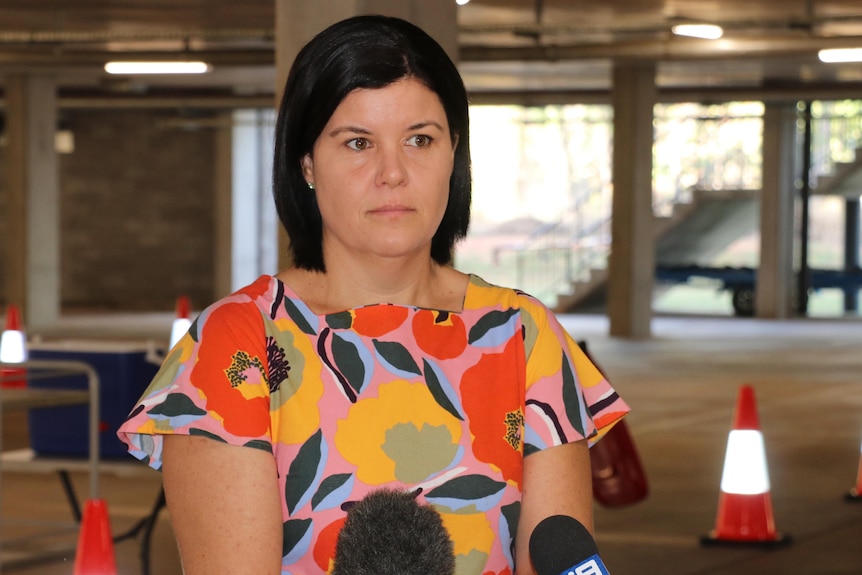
402, 99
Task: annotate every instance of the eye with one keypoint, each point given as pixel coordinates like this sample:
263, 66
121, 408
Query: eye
420, 141
358, 144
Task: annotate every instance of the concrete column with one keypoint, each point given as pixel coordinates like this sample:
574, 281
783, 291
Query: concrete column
851, 250
32, 273
631, 269
775, 285
222, 194
297, 22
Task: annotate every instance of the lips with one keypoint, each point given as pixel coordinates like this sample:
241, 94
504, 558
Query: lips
391, 210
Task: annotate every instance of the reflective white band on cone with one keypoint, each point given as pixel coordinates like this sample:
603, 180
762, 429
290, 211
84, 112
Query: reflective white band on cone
180, 327
745, 471
13, 346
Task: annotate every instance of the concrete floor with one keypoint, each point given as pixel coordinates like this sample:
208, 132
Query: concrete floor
682, 385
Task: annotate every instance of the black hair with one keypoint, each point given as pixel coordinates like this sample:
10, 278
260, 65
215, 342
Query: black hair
368, 51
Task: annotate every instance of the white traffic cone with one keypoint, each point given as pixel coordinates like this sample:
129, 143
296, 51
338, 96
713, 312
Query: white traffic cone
182, 323
13, 349
745, 506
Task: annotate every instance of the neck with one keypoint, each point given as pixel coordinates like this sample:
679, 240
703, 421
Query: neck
355, 284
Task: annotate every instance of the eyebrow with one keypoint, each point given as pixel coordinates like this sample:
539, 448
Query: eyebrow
358, 130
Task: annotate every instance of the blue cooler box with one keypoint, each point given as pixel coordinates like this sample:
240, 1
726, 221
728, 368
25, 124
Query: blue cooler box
124, 370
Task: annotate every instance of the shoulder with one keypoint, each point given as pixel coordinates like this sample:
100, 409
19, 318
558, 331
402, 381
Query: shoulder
485, 294
243, 309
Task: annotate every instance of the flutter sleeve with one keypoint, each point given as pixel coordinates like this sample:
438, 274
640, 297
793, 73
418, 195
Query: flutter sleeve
213, 383
567, 397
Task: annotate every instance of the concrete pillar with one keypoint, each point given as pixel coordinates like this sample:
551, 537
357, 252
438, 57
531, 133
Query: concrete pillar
775, 284
297, 22
631, 268
222, 195
851, 250
32, 271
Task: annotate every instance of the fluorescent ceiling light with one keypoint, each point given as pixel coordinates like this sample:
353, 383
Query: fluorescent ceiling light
157, 67
832, 55
462, 2
705, 31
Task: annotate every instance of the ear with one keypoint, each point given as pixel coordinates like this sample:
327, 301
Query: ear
307, 168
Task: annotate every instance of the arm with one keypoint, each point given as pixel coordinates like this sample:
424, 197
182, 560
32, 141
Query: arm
557, 481
224, 505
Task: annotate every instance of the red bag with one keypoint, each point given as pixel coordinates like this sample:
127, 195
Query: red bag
619, 478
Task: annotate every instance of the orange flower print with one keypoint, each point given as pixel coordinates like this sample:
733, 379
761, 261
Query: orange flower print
324, 549
376, 320
233, 381
439, 333
496, 419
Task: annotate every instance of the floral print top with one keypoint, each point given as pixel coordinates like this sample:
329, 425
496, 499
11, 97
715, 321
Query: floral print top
443, 403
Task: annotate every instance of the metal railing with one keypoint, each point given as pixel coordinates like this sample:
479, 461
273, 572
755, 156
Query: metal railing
548, 261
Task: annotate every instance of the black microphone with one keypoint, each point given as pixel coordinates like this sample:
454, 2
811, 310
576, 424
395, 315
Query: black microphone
388, 532
561, 545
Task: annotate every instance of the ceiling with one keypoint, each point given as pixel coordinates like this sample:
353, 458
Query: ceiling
507, 48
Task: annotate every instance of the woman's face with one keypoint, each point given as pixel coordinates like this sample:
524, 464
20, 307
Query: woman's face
381, 169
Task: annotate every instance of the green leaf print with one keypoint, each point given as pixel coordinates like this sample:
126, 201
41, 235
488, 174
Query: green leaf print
259, 444
297, 316
571, 397
293, 530
433, 383
488, 322
176, 404
511, 514
327, 486
340, 320
207, 434
349, 362
302, 471
468, 487
397, 356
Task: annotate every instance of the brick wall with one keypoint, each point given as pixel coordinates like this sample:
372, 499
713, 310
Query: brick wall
136, 211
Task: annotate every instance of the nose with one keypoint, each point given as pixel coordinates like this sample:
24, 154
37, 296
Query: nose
391, 170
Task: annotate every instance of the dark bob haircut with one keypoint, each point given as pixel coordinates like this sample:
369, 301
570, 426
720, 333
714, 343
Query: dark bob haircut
369, 51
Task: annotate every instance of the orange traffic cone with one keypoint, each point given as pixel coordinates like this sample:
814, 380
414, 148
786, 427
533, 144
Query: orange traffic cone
95, 552
182, 322
744, 504
855, 494
13, 349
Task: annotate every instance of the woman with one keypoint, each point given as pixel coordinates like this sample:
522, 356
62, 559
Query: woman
370, 363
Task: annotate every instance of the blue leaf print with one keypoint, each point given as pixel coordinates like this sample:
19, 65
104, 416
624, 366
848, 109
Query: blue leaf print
494, 329
532, 441
396, 359
442, 390
333, 491
304, 471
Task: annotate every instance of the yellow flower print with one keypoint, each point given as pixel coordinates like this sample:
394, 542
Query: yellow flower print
540, 339
472, 538
400, 435
300, 392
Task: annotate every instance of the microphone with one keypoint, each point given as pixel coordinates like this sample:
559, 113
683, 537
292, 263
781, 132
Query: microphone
561, 545
388, 532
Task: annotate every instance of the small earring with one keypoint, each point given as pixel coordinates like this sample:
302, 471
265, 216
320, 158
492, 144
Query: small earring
310, 185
